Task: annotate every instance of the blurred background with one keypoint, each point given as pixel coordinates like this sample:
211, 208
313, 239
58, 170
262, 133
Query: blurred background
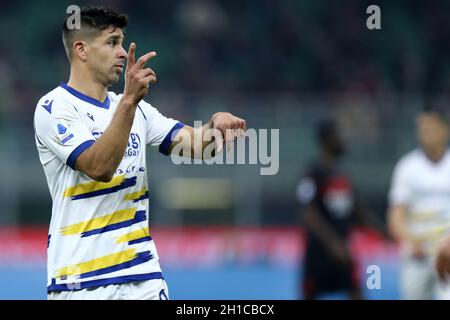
280, 65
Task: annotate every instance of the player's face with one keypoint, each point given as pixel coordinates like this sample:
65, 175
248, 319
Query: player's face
432, 131
106, 56
336, 145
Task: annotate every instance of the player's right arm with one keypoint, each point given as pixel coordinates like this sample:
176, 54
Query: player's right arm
399, 197
101, 160
397, 223
398, 229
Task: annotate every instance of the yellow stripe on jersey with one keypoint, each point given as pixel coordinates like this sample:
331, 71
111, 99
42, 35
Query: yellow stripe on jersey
93, 186
96, 264
135, 195
423, 216
100, 222
133, 235
433, 233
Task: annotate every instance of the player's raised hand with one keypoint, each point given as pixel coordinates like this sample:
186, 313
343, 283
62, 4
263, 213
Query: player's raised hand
229, 126
137, 77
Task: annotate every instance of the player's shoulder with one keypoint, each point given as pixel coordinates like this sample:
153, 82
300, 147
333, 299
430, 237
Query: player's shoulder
411, 159
311, 172
145, 105
114, 97
316, 168
54, 102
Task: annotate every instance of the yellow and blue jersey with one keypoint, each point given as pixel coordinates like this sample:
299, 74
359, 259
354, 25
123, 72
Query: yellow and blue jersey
99, 231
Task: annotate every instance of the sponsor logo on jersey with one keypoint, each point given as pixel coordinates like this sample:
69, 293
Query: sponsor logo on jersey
133, 147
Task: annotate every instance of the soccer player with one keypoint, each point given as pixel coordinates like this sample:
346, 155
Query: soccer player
329, 209
92, 146
419, 208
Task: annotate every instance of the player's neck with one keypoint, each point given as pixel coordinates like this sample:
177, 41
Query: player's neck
87, 86
328, 159
435, 155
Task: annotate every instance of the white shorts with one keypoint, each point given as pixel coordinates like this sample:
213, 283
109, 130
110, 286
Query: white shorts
419, 281
155, 289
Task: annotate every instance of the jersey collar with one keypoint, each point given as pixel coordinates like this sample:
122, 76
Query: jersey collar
82, 96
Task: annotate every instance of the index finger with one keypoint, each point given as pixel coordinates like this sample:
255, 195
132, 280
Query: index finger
131, 52
242, 124
142, 60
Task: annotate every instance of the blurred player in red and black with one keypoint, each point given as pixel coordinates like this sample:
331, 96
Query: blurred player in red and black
328, 210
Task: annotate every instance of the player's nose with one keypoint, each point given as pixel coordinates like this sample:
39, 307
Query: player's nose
122, 53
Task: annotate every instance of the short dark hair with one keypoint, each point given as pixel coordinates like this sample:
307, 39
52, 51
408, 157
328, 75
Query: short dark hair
326, 129
92, 21
438, 109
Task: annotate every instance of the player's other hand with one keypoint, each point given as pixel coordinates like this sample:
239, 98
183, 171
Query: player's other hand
137, 77
417, 250
341, 254
230, 127
443, 259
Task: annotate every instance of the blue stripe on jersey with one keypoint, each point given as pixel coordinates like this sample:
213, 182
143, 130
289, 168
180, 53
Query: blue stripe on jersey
143, 239
105, 104
70, 136
143, 197
165, 144
139, 216
77, 151
142, 112
126, 183
40, 142
140, 258
103, 282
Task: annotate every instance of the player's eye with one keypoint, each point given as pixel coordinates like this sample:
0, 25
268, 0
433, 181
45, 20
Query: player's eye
113, 42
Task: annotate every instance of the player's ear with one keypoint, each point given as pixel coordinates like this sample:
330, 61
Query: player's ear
79, 50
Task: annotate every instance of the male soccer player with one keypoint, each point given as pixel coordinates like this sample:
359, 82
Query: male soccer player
92, 145
419, 209
329, 208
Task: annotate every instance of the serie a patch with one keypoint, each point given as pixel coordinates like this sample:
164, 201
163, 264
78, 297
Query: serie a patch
64, 134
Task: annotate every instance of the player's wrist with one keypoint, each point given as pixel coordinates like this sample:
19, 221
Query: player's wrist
128, 101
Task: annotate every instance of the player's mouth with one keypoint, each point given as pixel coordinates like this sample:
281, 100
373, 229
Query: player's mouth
119, 66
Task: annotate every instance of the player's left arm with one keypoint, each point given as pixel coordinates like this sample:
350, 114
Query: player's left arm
221, 129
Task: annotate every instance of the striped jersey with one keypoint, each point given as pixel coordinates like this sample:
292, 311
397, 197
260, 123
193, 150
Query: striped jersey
99, 231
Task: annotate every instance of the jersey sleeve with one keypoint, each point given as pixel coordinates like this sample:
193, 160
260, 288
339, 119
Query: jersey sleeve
400, 191
60, 128
161, 130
